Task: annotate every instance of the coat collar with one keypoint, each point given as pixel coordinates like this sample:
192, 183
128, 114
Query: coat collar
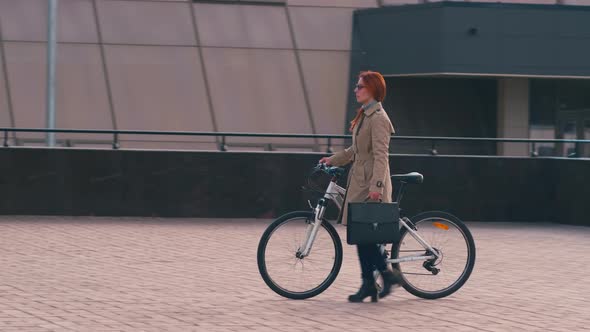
371, 107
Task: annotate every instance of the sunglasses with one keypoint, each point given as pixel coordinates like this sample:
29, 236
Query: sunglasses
359, 87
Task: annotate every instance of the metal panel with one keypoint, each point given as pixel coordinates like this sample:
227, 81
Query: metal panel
81, 91
400, 2
14, 13
5, 118
256, 90
322, 28
27, 20
242, 26
326, 78
26, 65
143, 22
461, 38
463, 48
399, 39
76, 21
334, 3
158, 88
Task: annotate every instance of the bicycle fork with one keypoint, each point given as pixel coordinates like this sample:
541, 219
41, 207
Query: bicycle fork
311, 231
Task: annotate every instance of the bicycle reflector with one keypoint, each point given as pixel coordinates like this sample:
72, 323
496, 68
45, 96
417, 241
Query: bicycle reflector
440, 225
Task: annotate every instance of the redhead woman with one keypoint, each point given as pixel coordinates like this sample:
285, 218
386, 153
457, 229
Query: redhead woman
369, 176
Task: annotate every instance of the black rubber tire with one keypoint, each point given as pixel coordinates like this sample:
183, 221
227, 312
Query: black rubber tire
312, 292
470, 260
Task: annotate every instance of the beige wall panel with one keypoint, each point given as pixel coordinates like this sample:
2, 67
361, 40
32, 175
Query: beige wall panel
27, 20
77, 21
453, 0
81, 98
334, 3
14, 14
26, 76
326, 78
158, 88
256, 91
400, 2
242, 26
322, 28
513, 115
4, 112
145, 22
152, 0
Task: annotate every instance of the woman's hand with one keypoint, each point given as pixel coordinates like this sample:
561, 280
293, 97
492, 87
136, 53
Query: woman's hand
374, 196
326, 160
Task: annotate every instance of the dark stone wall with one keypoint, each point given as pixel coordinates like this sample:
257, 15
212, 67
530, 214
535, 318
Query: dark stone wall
247, 185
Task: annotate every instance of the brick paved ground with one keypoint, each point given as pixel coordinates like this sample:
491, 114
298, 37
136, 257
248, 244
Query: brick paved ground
132, 274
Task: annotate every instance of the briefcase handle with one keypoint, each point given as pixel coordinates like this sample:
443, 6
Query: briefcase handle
366, 199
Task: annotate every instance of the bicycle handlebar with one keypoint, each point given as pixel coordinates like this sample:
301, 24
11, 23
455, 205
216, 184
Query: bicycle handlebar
331, 170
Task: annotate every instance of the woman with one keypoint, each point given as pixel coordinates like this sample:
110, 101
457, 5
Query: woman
369, 176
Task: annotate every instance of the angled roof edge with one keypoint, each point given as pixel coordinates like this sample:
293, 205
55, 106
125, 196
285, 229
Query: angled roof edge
455, 4
484, 75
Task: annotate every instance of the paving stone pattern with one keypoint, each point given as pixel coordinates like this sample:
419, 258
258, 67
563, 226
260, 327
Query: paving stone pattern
142, 274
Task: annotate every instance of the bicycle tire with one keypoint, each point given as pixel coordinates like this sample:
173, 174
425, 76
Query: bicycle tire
262, 249
470, 260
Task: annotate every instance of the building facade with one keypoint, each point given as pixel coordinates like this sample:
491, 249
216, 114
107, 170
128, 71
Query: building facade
280, 66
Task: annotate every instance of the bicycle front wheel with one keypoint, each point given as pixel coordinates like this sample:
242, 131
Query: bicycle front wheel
451, 239
283, 269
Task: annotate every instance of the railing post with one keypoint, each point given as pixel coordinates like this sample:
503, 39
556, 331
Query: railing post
329, 149
222, 146
116, 141
534, 153
6, 138
52, 17
433, 149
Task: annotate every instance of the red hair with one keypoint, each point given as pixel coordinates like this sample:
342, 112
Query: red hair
375, 83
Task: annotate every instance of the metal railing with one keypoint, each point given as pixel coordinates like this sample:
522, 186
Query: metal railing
222, 136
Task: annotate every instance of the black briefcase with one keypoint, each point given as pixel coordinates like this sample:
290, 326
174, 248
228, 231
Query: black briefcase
372, 223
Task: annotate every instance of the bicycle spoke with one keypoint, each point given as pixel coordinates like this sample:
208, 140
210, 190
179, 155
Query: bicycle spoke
303, 274
452, 246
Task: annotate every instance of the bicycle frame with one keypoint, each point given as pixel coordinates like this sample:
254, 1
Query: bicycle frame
336, 193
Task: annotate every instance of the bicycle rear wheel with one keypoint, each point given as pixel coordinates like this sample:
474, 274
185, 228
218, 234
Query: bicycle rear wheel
284, 271
440, 277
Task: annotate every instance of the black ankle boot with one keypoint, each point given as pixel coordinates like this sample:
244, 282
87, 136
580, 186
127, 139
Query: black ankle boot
368, 288
390, 279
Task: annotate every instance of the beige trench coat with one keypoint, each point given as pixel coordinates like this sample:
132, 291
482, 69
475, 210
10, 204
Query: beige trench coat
369, 155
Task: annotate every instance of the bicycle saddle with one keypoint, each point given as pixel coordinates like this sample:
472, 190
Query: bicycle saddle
413, 177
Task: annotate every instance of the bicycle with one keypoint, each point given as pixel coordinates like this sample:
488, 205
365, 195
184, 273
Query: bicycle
286, 247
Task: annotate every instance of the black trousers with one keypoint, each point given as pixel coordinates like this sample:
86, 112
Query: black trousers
371, 258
